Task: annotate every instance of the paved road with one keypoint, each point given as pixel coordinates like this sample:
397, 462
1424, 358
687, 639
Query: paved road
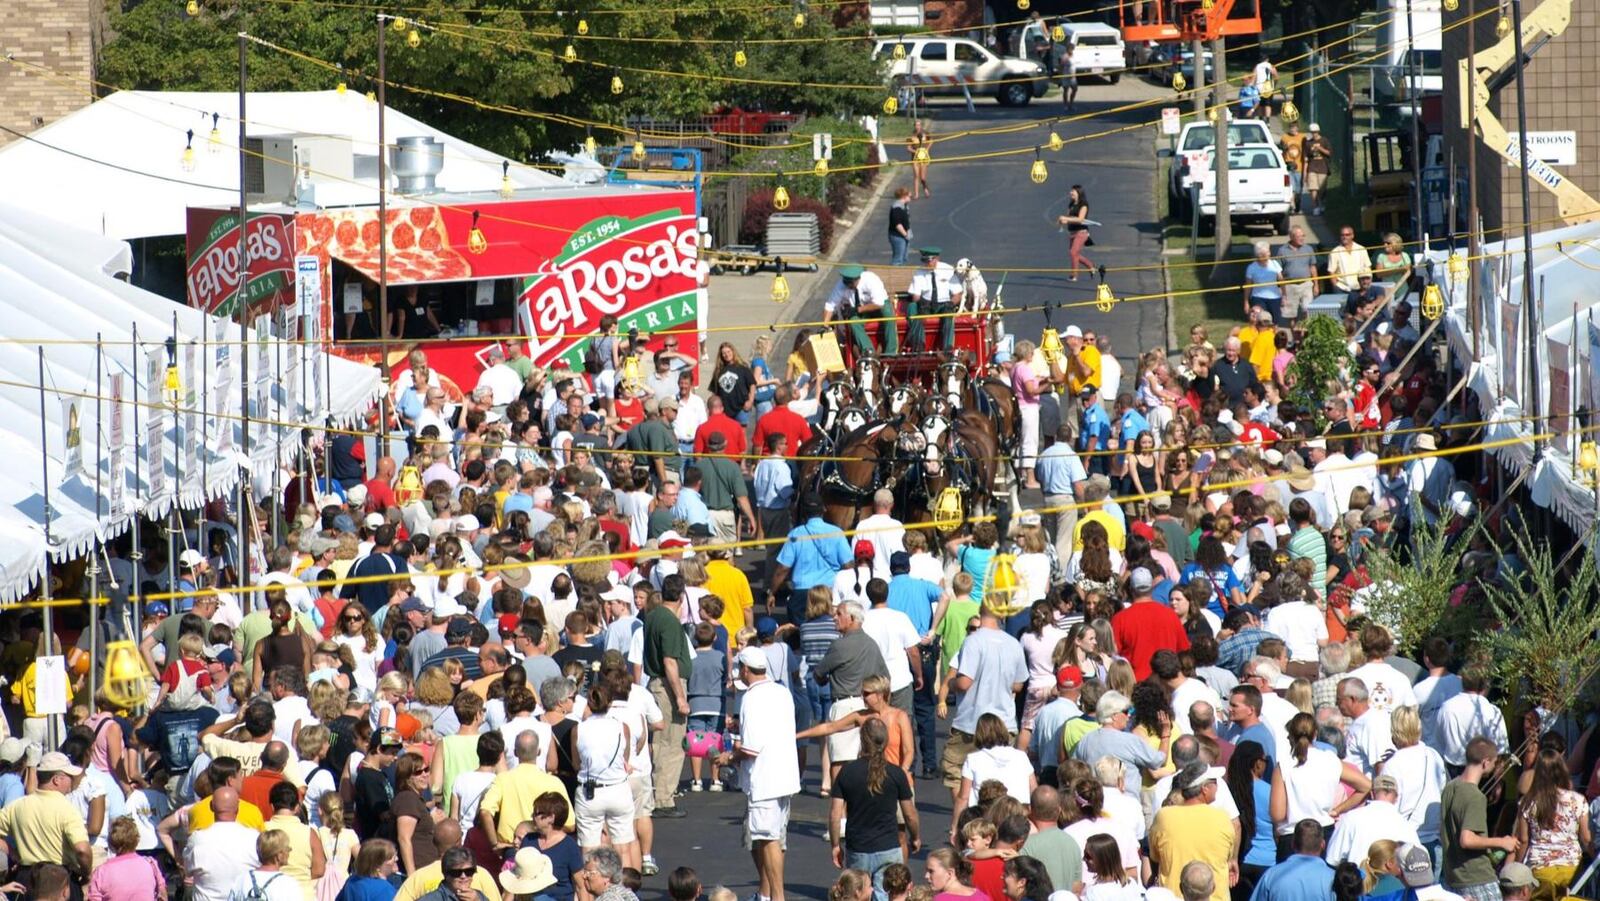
991, 212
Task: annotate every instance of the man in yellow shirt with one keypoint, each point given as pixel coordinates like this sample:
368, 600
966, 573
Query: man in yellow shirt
1193, 830
1083, 361
44, 827
447, 838
1095, 492
509, 800
724, 580
1260, 341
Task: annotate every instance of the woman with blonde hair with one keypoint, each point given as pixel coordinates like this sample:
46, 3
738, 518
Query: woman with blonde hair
433, 694
1381, 870
1036, 561
1027, 387
766, 385
1120, 678
1419, 773
1299, 694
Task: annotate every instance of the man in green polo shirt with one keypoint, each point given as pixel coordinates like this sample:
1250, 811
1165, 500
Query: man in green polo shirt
667, 664
722, 486
654, 438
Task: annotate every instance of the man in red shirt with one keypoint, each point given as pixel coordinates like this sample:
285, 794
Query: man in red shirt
719, 422
380, 494
783, 420
1146, 626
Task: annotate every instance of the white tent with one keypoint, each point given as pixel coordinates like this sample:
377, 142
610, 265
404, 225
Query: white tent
58, 297
1566, 262
116, 168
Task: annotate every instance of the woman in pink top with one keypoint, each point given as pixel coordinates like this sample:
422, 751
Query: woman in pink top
1026, 387
949, 874
126, 876
109, 742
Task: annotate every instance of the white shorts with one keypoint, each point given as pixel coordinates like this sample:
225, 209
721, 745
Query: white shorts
845, 746
767, 821
611, 809
644, 793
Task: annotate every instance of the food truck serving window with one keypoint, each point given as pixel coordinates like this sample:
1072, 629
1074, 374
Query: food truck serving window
483, 307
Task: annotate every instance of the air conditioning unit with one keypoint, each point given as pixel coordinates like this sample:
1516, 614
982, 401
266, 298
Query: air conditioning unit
277, 166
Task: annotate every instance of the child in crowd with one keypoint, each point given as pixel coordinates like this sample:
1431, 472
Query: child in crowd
708, 679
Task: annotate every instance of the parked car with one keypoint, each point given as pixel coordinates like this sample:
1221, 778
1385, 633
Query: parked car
1096, 48
1169, 59
1191, 157
1012, 81
1258, 189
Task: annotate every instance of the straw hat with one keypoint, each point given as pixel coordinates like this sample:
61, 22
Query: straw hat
530, 873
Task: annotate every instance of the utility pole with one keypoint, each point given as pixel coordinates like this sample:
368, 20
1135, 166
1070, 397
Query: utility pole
1224, 229
246, 501
1531, 400
1414, 89
1198, 48
1472, 179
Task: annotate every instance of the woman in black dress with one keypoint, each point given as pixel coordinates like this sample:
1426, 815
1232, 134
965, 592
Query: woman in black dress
1076, 220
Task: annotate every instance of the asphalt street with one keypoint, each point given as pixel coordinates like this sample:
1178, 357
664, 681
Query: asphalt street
991, 212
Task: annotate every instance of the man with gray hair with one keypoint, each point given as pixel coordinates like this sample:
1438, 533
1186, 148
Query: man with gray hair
1113, 740
1197, 882
602, 876
850, 661
1367, 732
1379, 818
1276, 712
885, 533
1333, 660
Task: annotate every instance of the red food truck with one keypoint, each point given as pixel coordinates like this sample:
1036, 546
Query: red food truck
466, 272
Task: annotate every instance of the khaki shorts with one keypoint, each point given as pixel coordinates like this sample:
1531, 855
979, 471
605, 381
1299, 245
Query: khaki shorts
956, 750
644, 794
1297, 300
845, 746
1314, 181
767, 821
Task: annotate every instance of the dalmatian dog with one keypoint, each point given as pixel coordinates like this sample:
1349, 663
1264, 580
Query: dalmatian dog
975, 291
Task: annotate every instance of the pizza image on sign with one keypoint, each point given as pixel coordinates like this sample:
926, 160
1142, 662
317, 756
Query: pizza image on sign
419, 248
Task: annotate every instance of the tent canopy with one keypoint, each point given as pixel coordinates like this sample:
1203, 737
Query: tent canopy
116, 168
59, 299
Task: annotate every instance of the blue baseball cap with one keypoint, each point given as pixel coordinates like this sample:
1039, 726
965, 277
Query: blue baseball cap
766, 626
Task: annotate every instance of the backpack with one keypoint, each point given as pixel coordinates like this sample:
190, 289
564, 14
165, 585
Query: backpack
186, 696
259, 892
591, 360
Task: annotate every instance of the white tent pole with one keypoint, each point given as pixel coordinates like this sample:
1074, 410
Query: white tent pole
51, 739
94, 552
136, 545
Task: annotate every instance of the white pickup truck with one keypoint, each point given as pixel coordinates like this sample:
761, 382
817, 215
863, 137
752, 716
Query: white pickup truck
1258, 189
1191, 158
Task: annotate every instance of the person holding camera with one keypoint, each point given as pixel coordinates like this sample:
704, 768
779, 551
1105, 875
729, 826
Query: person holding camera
605, 801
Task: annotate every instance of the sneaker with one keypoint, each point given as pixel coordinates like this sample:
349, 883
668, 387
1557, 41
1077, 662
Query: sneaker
649, 867
695, 787
669, 813
716, 786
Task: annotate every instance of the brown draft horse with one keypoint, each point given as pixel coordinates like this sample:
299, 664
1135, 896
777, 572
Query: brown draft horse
991, 401
846, 485
965, 445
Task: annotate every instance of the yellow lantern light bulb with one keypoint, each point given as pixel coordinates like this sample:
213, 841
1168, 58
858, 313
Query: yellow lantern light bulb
589, 145
570, 54
340, 88
187, 160
1024, 4
899, 51
891, 105
372, 97
214, 143
476, 241
1451, 6
1290, 112
820, 169
506, 187
1502, 27
583, 26
1211, 114
1589, 460
171, 387
947, 509
1038, 173
740, 60
630, 371
1055, 143
1104, 300
1457, 266
780, 198
1179, 83
780, 288
400, 23
638, 148
616, 84
1050, 345
1003, 591
1058, 34
799, 20
414, 39
192, 7
1432, 302
1207, 4
127, 680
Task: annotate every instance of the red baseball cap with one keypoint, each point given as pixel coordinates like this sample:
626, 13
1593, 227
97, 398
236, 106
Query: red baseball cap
864, 549
1143, 530
508, 623
1069, 676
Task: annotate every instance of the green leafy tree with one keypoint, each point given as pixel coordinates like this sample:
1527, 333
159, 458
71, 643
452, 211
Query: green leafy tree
1412, 586
1548, 617
1320, 363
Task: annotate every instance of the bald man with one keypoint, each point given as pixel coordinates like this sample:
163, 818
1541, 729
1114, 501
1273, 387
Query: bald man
446, 835
217, 856
1058, 851
380, 490
495, 659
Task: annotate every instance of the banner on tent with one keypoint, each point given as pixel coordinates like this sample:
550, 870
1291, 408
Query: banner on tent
220, 426
71, 438
263, 376
1559, 404
119, 479
1594, 363
1510, 336
190, 479
156, 424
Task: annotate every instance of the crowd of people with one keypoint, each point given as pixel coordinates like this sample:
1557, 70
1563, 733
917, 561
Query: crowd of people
488, 669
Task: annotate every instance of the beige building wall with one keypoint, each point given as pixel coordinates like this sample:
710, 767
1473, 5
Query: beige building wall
62, 36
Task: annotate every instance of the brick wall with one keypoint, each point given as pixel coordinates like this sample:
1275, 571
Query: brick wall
60, 35
1561, 83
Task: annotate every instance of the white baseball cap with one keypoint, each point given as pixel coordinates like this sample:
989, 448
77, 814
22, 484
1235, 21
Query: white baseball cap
1072, 332
753, 657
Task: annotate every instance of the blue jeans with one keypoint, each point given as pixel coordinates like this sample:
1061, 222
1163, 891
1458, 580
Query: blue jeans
873, 863
924, 706
897, 250
820, 697
763, 407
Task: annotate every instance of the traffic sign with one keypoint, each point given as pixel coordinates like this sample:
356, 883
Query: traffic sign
1169, 120
822, 146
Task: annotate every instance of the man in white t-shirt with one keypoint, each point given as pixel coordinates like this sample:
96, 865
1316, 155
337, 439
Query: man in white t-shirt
1467, 716
1186, 690
1388, 687
769, 765
898, 642
1302, 626
885, 533
1379, 818
1368, 741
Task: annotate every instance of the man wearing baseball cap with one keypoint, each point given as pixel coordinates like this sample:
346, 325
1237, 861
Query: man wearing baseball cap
769, 767
44, 827
1194, 830
1043, 738
1517, 881
1378, 818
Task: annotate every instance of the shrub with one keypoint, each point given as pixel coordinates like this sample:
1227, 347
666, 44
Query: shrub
758, 208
